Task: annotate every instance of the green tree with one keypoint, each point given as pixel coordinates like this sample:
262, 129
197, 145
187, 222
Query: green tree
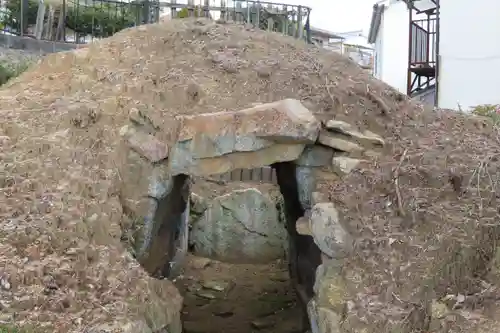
184, 12
102, 20
11, 18
99, 20
487, 110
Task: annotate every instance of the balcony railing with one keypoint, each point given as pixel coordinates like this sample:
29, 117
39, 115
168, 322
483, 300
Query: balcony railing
423, 43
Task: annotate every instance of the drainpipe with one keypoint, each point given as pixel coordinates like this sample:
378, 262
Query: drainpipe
410, 47
438, 56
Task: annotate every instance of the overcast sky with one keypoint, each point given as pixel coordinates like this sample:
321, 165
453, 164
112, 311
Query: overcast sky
338, 15
333, 15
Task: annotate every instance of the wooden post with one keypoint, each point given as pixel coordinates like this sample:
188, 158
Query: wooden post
60, 25
63, 26
284, 28
300, 27
40, 17
206, 10
190, 8
308, 32
145, 12
257, 16
22, 17
173, 9
293, 26
156, 12
270, 19
49, 26
239, 12
249, 19
223, 10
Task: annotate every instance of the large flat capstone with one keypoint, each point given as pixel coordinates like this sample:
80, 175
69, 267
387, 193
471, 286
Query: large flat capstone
215, 143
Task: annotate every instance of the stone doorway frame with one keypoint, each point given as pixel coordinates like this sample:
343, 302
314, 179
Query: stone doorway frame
305, 152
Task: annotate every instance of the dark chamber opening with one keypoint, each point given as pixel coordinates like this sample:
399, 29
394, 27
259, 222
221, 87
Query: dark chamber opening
240, 298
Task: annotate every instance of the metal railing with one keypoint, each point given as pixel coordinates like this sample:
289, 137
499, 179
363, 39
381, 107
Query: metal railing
71, 20
423, 41
81, 21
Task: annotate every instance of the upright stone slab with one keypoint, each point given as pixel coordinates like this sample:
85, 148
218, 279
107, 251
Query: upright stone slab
242, 226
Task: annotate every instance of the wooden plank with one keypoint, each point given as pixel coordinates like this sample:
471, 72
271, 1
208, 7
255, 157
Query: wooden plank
254, 175
257, 175
247, 175
40, 17
266, 175
235, 175
274, 177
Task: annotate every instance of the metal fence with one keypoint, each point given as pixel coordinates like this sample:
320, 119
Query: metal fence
73, 21
81, 21
261, 175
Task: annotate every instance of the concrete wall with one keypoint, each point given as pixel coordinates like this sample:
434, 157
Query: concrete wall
426, 97
391, 46
469, 73
34, 45
320, 39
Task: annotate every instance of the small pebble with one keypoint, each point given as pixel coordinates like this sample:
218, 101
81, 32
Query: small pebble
6, 318
279, 278
200, 263
215, 285
5, 284
206, 295
263, 323
193, 288
4, 305
223, 314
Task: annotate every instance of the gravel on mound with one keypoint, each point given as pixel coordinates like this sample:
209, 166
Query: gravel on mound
15, 58
428, 198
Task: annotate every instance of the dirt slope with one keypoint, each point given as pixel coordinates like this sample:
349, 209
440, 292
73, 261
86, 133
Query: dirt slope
237, 298
424, 211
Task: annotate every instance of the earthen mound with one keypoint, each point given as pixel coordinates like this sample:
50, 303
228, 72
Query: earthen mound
421, 208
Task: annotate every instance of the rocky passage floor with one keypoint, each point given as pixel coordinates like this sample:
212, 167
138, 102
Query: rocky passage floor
230, 298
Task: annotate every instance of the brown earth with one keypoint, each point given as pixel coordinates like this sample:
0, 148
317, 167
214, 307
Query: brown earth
240, 298
423, 211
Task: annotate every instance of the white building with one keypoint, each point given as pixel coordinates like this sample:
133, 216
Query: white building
325, 38
351, 44
446, 52
356, 47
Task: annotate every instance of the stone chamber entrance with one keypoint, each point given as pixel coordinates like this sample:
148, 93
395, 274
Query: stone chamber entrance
243, 253
236, 277
222, 297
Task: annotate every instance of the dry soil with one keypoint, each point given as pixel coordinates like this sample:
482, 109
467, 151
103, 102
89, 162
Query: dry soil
244, 298
424, 212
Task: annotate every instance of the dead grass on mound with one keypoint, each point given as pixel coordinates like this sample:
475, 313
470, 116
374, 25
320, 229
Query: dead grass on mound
424, 212
427, 217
